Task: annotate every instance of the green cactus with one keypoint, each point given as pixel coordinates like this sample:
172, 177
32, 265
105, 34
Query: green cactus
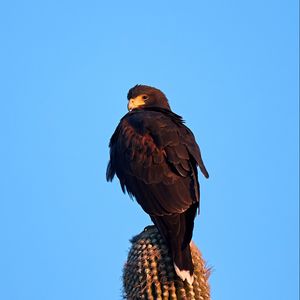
149, 273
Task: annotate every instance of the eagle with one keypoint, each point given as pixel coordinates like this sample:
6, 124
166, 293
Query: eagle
155, 156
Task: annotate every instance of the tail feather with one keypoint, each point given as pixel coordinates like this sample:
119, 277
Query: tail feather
184, 275
177, 231
183, 264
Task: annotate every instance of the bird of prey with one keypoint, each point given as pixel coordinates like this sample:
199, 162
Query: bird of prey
155, 156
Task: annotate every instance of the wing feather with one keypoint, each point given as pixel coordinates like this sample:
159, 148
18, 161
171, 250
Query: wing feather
155, 156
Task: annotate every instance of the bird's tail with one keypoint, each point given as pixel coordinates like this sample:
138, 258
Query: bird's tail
183, 265
177, 230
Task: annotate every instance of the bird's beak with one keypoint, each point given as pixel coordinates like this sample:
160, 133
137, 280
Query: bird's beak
135, 102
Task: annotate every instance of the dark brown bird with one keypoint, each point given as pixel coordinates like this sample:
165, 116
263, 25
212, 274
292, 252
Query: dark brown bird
155, 157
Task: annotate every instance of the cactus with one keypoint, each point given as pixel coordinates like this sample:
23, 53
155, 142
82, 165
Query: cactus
149, 273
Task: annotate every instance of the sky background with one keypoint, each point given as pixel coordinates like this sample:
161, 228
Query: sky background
230, 68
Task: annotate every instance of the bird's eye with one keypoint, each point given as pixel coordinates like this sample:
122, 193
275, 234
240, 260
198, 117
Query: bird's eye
145, 97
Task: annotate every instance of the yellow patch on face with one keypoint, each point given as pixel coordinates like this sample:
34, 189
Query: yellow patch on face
136, 102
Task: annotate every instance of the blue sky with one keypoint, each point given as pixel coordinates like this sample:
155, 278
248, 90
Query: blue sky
229, 68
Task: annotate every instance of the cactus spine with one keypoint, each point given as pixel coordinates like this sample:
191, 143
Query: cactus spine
149, 273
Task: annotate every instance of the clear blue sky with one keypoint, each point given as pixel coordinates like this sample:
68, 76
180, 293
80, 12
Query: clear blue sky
230, 68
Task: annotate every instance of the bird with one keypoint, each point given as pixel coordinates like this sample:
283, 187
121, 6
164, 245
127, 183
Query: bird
156, 158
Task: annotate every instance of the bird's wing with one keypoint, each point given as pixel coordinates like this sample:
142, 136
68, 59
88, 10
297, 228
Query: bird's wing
156, 161
194, 149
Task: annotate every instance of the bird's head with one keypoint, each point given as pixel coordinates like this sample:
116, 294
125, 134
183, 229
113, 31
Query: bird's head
141, 96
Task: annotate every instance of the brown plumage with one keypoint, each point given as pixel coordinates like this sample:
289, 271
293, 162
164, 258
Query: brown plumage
155, 157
